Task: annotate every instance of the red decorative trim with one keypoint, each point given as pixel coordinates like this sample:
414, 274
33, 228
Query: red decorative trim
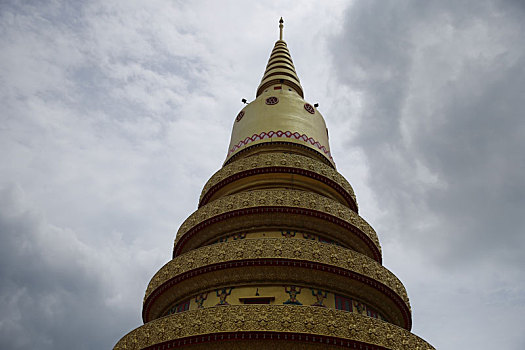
270, 336
280, 134
279, 262
259, 210
311, 174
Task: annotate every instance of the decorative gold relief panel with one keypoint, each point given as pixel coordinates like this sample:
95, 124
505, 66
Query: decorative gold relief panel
278, 248
260, 222
279, 147
278, 198
267, 160
272, 318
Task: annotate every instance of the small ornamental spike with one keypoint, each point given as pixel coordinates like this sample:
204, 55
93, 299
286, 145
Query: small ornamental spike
281, 29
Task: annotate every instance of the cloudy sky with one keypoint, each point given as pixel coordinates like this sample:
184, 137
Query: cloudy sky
115, 113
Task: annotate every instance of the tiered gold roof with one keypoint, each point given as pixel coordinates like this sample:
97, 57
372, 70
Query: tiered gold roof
276, 255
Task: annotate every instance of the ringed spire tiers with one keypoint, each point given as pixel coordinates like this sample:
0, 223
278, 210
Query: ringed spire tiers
280, 68
276, 256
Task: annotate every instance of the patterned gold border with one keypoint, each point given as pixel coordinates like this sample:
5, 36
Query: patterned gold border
278, 248
260, 220
272, 318
267, 160
278, 198
279, 147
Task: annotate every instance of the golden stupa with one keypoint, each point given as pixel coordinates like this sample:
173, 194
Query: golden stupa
276, 256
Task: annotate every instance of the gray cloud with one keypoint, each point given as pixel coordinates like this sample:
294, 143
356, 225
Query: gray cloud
442, 129
114, 115
51, 290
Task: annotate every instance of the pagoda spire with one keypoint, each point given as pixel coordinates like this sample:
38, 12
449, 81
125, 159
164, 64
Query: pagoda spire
276, 256
280, 68
279, 114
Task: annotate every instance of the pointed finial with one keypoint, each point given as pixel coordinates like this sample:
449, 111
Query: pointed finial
281, 29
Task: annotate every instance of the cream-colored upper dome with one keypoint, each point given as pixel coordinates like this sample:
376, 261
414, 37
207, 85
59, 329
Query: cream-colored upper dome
288, 120
279, 113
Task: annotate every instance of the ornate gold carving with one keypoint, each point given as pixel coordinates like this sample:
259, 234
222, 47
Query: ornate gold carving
272, 318
278, 248
277, 198
282, 160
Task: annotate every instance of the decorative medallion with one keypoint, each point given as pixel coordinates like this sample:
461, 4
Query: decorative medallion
272, 100
309, 108
239, 116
